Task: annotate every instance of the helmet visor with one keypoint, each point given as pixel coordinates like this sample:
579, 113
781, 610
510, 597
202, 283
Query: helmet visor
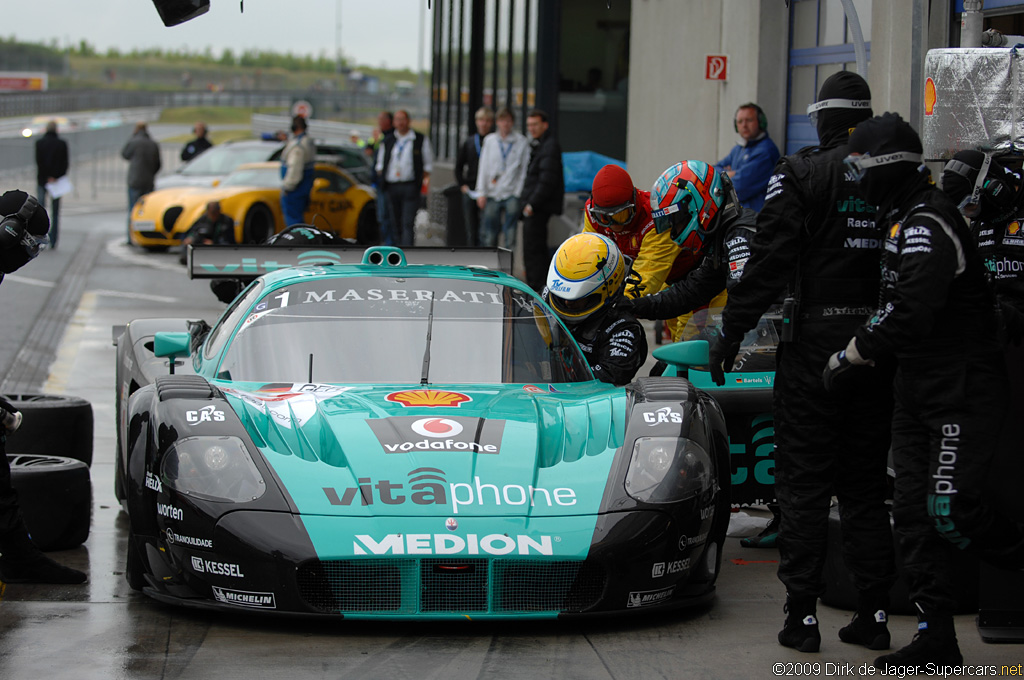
680, 220
620, 215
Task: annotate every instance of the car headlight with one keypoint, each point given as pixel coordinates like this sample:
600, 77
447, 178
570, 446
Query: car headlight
668, 470
213, 468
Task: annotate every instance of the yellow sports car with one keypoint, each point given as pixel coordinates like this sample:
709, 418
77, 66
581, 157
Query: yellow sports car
251, 196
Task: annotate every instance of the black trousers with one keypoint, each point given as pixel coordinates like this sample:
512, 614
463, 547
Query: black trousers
831, 443
945, 432
10, 513
404, 198
536, 256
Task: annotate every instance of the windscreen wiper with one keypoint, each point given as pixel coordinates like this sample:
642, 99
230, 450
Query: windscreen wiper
426, 353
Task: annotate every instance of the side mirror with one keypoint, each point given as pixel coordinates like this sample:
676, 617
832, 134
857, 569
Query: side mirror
171, 345
684, 354
320, 184
174, 12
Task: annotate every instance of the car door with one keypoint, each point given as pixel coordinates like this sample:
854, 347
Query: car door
328, 204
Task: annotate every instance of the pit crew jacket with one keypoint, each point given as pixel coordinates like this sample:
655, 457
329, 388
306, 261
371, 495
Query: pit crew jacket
752, 162
720, 269
816, 235
614, 344
1001, 248
656, 258
544, 186
934, 299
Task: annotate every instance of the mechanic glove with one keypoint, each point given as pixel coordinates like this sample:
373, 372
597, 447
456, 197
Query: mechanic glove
842, 361
10, 417
722, 355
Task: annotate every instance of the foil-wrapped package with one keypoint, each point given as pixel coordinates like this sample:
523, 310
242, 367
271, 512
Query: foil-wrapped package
974, 99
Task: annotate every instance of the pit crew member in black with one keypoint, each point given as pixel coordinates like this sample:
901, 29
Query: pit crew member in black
816, 234
950, 385
987, 194
586, 279
23, 224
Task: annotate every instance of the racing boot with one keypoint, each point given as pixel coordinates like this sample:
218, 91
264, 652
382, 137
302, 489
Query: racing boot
767, 537
22, 562
801, 629
935, 642
868, 627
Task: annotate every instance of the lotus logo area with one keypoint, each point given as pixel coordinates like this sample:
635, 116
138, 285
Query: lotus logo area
449, 544
443, 435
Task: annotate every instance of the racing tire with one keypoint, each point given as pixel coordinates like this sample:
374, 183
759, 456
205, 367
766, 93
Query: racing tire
52, 425
55, 496
155, 249
841, 594
367, 229
258, 225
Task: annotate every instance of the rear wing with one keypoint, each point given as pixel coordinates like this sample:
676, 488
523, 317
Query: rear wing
249, 261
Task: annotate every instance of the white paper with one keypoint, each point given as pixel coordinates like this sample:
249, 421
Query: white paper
59, 187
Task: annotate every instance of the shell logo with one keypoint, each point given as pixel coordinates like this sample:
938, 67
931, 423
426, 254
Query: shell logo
929, 97
1013, 228
427, 398
894, 232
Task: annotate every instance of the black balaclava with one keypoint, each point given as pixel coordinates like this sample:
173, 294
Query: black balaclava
17, 255
878, 136
834, 125
998, 192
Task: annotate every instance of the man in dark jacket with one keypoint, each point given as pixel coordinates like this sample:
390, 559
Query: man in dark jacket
467, 162
543, 196
817, 244
143, 156
21, 561
51, 165
936, 316
197, 145
986, 192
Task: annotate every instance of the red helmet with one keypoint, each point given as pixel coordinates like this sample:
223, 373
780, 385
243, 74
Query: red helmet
613, 198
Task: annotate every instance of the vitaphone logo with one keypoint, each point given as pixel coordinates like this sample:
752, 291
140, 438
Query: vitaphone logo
451, 544
443, 435
428, 486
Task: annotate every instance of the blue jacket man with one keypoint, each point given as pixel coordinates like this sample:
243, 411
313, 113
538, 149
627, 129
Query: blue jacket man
750, 162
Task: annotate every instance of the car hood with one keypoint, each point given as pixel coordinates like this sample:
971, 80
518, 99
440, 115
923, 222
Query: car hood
180, 180
156, 202
505, 450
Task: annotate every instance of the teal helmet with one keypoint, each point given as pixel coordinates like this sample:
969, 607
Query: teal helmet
686, 199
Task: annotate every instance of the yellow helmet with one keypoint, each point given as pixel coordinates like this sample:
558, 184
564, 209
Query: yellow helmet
586, 273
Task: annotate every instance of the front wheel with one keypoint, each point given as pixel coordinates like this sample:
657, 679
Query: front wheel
258, 225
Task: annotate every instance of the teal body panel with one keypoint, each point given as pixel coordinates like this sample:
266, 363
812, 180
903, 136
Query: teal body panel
522, 453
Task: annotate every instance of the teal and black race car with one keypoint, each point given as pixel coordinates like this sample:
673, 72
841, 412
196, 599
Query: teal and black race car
399, 440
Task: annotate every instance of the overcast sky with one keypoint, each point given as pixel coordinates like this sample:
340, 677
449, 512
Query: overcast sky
373, 32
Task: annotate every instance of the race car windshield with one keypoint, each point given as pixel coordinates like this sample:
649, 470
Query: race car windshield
372, 330
757, 349
222, 159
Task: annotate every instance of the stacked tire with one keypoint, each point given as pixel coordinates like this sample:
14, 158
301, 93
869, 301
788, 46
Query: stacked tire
50, 455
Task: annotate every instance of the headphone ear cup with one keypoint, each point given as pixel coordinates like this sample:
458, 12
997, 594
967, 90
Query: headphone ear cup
762, 120
11, 231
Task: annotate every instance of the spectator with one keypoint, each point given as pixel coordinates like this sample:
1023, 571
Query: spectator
385, 129
197, 145
403, 166
467, 162
213, 228
543, 196
51, 165
297, 173
499, 181
143, 156
751, 161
